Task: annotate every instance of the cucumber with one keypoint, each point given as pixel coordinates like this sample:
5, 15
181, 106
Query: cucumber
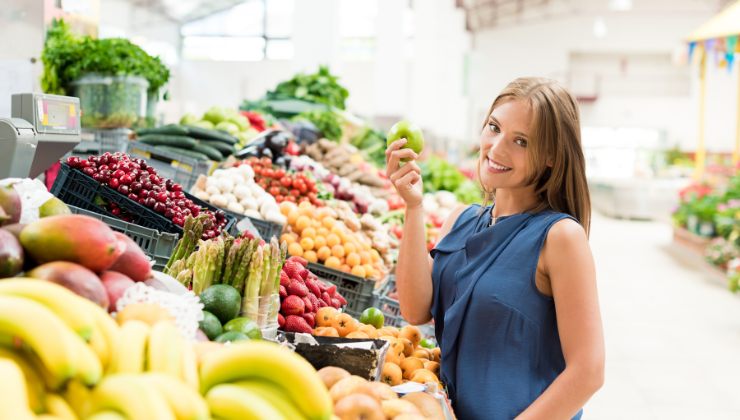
168, 140
170, 129
183, 152
222, 147
206, 134
209, 151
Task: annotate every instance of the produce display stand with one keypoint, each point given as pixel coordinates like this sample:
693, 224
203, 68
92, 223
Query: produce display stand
181, 169
388, 305
157, 246
266, 229
79, 190
97, 142
334, 351
357, 291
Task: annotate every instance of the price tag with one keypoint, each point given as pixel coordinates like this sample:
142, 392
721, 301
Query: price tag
180, 165
141, 153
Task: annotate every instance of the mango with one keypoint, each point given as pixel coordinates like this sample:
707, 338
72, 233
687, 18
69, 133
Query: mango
74, 238
11, 255
53, 207
115, 285
10, 202
74, 277
133, 262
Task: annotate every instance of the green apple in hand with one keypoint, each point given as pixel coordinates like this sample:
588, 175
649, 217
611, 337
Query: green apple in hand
411, 132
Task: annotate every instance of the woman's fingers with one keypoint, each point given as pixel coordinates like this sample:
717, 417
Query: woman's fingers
408, 167
395, 157
407, 182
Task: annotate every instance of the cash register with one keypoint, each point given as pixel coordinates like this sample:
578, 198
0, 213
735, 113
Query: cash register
42, 128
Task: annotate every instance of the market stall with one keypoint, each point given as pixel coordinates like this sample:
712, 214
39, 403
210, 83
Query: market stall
237, 263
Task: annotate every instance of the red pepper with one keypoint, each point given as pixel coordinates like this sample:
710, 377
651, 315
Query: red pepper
255, 120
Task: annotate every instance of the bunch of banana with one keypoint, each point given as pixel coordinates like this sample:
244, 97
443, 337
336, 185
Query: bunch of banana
262, 380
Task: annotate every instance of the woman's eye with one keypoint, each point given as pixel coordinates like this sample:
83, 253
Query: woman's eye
521, 142
493, 127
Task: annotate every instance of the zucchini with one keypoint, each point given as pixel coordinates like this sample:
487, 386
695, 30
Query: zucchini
168, 140
207, 134
170, 129
222, 147
184, 152
209, 151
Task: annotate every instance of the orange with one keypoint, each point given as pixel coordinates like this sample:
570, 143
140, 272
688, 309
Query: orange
307, 243
293, 216
423, 376
337, 251
308, 232
319, 240
353, 258
374, 255
325, 316
311, 256
350, 248
411, 333
287, 238
344, 324
295, 250
332, 239
358, 271
286, 207
408, 347
328, 222
301, 223
326, 332
357, 334
323, 253
322, 231
369, 330
365, 257
392, 374
432, 367
345, 268
331, 262
370, 272
409, 365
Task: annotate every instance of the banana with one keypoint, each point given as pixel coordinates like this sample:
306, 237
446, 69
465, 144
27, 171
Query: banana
79, 398
130, 356
274, 396
234, 402
190, 367
263, 360
132, 396
57, 406
184, 401
166, 349
13, 395
34, 384
107, 415
37, 327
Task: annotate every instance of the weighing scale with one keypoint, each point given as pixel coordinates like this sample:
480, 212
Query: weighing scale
41, 130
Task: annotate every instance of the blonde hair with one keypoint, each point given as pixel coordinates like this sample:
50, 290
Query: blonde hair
556, 161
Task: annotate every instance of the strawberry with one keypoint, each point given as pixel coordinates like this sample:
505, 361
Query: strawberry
323, 286
312, 276
322, 303
283, 292
341, 298
304, 274
300, 260
309, 305
297, 324
310, 319
284, 279
297, 288
332, 290
293, 269
281, 320
336, 303
293, 305
313, 287
314, 301
326, 298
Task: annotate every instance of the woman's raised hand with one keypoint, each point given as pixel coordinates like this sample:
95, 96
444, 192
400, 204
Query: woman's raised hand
406, 178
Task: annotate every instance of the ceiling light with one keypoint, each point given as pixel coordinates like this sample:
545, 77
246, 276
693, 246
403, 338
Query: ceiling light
620, 5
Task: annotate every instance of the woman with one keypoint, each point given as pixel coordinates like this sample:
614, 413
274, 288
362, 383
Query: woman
511, 286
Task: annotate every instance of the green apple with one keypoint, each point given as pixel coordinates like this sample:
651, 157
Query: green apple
426, 343
411, 132
245, 326
373, 316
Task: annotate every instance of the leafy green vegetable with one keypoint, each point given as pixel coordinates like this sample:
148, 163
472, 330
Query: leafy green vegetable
320, 87
328, 122
68, 57
371, 143
438, 174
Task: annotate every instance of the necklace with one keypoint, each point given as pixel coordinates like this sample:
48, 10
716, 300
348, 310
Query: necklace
495, 219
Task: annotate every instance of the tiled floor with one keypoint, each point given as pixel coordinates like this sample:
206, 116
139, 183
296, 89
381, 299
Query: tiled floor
672, 329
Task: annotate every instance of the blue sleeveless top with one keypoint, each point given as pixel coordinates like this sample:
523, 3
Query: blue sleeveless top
498, 334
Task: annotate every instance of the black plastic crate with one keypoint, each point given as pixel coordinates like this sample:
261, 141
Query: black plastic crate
79, 190
265, 229
181, 169
357, 291
157, 246
388, 305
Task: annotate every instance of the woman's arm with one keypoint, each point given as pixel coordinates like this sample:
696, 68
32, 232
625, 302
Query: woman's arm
414, 268
570, 267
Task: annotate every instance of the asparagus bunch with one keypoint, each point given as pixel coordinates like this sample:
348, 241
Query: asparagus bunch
263, 283
192, 231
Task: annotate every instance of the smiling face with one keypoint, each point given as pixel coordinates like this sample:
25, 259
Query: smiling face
503, 146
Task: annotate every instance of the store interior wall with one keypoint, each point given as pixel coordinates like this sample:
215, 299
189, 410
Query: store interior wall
549, 48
